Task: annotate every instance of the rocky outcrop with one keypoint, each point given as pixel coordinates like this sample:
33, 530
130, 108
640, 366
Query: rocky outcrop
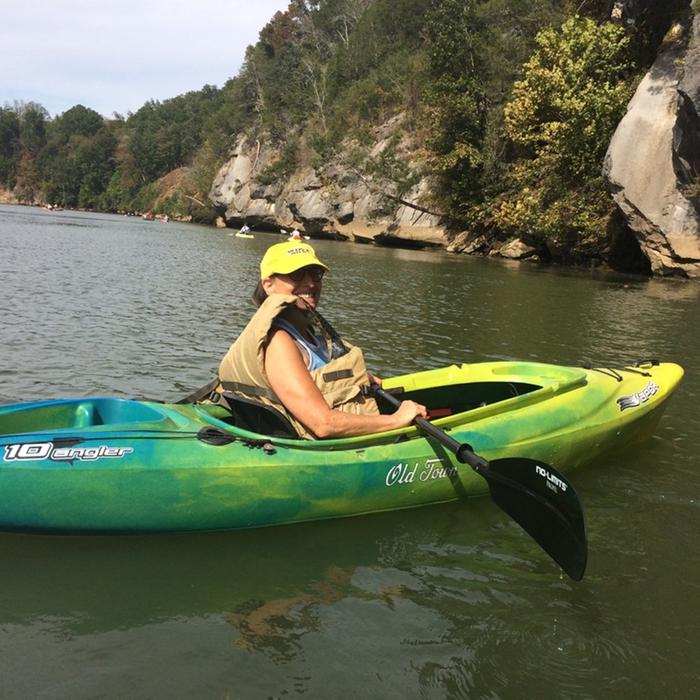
484, 244
653, 162
333, 201
652, 167
8, 197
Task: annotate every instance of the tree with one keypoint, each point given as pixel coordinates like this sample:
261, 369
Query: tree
77, 120
32, 119
164, 136
559, 122
27, 184
9, 146
32, 137
455, 102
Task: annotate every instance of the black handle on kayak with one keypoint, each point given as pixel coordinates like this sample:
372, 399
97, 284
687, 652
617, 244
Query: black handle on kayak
531, 492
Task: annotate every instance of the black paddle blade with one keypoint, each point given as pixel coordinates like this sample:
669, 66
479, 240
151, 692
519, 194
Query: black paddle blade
545, 505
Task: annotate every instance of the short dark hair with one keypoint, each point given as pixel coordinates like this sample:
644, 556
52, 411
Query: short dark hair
259, 294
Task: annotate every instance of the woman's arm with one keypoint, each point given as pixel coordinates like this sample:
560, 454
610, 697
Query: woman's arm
292, 383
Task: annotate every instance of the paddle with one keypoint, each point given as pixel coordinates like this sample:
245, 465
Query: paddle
533, 493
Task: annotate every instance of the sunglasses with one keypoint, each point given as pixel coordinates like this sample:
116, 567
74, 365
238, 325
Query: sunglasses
315, 272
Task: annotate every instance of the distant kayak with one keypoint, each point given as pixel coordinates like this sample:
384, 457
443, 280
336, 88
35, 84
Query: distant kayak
295, 235
96, 465
238, 234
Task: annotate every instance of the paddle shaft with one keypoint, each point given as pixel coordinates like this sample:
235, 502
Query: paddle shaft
461, 450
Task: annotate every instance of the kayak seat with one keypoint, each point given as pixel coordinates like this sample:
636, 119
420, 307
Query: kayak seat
257, 417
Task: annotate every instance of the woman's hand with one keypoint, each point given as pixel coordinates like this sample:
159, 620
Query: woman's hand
407, 411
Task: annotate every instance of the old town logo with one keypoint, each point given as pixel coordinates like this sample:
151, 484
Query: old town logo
404, 473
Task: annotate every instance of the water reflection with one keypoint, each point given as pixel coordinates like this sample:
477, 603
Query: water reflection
411, 579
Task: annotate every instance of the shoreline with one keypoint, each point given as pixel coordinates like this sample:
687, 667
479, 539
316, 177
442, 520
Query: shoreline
8, 199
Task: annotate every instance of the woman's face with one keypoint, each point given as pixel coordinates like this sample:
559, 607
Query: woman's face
304, 283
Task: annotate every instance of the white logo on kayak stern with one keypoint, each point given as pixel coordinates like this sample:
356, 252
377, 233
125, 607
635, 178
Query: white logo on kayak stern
36, 451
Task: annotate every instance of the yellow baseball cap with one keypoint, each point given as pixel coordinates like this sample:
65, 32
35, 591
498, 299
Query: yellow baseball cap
283, 258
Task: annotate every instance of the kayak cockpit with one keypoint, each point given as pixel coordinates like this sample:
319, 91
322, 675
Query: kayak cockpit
473, 392
460, 398
441, 401
454, 396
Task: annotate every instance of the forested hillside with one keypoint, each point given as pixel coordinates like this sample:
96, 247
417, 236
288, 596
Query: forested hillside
510, 105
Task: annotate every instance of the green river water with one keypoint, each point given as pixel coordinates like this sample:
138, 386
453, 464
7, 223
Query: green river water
452, 601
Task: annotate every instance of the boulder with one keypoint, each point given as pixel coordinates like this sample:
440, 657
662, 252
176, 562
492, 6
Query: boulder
517, 250
470, 243
653, 162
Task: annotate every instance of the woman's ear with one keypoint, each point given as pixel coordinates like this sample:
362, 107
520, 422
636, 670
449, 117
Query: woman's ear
267, 284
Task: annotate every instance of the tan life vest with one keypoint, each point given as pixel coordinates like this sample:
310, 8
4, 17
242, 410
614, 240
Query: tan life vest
242, 370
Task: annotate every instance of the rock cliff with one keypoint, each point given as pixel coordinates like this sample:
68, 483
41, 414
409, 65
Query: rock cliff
333, 200
653, 162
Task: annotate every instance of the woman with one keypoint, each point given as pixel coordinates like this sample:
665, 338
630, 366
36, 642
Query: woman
288, 357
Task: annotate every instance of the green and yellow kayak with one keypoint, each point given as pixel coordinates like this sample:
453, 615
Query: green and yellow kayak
115, 465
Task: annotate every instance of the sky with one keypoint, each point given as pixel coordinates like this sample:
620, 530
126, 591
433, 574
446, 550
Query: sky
114, 55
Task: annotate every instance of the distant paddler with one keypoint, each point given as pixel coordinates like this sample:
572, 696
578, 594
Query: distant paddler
245, 232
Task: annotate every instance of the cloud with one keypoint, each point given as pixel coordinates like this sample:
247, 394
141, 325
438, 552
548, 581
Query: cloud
114, 55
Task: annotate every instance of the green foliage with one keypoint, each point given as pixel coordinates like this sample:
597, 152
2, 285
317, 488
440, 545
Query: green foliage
144, 198
164, 136
571, 93
329, 68
23, 164
371, 100
32, 119
285, 73
455, 102
390, 174
506, 39
117, 195
77, 121
9, 147
77, 161
283, 166
383, 29
559, 121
